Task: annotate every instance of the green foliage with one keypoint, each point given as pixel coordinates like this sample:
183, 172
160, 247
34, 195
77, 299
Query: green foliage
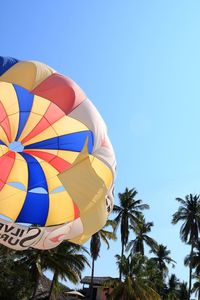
183, 291
95, 246
162, 258
66, 261
102, 235
135, 283
16, 282
128, 212
154, 276
141, 229
172, 289
189, 214
20, 271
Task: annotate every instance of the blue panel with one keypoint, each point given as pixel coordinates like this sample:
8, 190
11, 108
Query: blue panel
6, 63
71, 142
2, 143
25, 100
36, 205
46, 144
34, 210
36, 176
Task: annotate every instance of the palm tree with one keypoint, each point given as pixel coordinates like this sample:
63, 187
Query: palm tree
183, 291
194, 260
154, 276
162, 258
95, 246
188, 213
128, 210
66, 261
32, 260
196, 286
141, 230
16, 282
135, 285
172, 290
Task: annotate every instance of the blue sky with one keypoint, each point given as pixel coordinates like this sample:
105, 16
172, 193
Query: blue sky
139, 62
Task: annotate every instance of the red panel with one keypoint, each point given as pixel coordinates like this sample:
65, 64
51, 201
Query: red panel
4, 122
6, 127
62, 91
6, 164
52, 115
76, 212
3, 114
1, 184
58, 163
43, 155
42, 125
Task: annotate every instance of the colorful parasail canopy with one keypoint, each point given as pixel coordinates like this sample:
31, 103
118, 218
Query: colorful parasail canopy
57, 165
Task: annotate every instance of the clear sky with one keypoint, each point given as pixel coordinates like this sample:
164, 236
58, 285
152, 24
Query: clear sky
139, 62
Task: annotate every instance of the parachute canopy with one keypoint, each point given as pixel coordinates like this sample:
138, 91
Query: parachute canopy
57, 165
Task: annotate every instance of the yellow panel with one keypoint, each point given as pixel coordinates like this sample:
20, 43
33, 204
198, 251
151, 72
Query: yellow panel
11, 201
82, 183
68, 125
3, 136
61, 209
8, 92
89, 192
27, 74
3, 150
53, 182
32, 121
43, 72
46, 134
63, 126
42, 161
14, 122
40, 105
102, 171
54, 152
19, 171
11, 198
69, 156
93, 220
51, 175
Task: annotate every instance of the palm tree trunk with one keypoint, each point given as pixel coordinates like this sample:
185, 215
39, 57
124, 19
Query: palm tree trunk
92, 279
120, 270
55, 277
190, 272
142, 250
